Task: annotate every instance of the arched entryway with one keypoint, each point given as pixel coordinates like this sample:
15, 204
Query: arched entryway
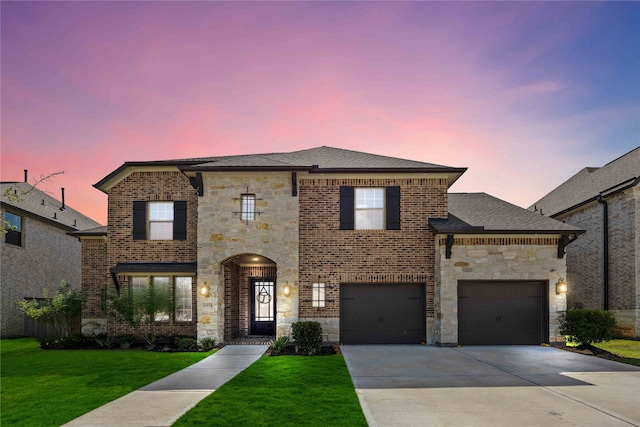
249, 296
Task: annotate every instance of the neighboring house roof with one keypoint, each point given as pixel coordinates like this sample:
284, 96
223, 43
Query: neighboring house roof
97, 231
591, 182
478, 213
313, 160
36, 203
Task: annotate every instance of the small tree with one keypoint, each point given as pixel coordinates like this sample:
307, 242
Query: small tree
59, 310
587, 326
141, 309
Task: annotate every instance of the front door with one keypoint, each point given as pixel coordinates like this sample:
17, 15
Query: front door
263, 306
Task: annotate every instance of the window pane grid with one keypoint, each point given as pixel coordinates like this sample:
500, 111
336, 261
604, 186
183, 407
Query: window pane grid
183, 299
369, 209
161, 221
248, 207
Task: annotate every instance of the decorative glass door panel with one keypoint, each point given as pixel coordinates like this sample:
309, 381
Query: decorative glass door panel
263, 306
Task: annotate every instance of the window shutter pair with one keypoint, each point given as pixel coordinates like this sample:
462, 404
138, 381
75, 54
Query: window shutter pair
140, 220
347, 205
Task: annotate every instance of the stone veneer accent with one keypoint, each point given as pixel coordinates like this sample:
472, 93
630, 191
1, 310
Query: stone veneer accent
334, 256
585, 268
493, 258
222, 235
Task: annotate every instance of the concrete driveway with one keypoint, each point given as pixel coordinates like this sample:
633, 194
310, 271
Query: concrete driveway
408, 385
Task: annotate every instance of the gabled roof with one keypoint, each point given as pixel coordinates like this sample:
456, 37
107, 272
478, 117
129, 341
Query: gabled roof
480, 213
591, 182
313, 160
36, 203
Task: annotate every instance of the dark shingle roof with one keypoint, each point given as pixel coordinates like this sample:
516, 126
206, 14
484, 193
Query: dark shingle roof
482, 213
39, 204
324, 157
320, 159
589, 183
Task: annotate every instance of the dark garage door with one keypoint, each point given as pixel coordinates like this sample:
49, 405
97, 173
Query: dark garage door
502, 312
382, 313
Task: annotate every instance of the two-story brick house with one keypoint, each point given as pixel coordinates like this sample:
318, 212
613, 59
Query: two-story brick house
36, 251
604, 265
372, 247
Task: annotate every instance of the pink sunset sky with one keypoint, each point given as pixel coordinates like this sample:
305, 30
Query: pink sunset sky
523, 94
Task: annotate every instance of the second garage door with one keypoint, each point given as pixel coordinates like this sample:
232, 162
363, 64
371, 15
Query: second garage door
382, 313
502, 312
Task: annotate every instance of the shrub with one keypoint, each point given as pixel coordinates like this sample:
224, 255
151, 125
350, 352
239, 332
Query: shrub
587, 326
307, 337
60, 310
279, 344
186, 343
207, 343
125, 340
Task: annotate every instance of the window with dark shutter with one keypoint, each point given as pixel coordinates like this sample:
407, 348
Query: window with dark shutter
346, 208
180, 220
139, 220
393, 208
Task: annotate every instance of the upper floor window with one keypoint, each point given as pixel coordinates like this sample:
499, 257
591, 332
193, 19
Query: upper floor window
248, 207
369, 208
159, 220
13, 228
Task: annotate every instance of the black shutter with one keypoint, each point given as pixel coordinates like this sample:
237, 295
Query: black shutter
139, 220
346, 208
180, 220
393, 208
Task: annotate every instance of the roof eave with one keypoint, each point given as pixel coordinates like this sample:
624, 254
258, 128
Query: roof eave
605, 193
40, 217
485, 231
108, 181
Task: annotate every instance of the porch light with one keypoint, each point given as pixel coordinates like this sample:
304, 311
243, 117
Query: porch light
561, 286
286, 289
204, 290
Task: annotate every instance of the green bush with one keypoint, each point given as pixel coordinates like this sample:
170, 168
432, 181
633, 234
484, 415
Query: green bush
207, 343
60, 310
307, 337
587, 326
186, 343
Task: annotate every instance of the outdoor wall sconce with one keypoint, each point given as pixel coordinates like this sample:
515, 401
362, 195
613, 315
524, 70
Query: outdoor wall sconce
286, 289
204, 290
561, 286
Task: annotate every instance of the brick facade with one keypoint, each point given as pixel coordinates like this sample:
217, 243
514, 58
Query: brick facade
120, 247
47, 256
334, 256
585, 259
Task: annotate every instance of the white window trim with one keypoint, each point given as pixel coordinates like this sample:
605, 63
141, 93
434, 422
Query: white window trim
381, 209
151, 221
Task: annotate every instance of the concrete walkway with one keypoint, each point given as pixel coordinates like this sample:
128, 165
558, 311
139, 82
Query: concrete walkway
164, 401
491, 386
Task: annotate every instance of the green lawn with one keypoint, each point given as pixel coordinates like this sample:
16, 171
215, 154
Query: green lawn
283, 391
628, 351
51, 387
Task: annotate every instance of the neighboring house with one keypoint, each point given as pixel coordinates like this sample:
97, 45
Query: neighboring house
372, 247
603, 265
37, 252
